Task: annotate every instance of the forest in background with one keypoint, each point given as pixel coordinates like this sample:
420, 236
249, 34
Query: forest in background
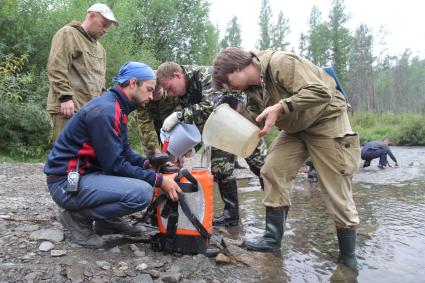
387, 92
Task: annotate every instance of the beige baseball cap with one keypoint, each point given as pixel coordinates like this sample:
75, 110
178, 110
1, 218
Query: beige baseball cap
104, 10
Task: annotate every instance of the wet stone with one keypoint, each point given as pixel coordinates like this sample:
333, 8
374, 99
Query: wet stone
221, 258
115, 250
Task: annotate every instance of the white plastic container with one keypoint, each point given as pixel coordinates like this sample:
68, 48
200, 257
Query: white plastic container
181, 139
228, 130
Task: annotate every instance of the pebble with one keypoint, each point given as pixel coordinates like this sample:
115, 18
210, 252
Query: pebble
53, 235
57, 253
46, 246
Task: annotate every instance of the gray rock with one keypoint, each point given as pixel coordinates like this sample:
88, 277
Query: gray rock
57, 253
104, 264
75, 273
115, 250
27, 228
141, 267
46, 246
171, 277
53, 235
221, 258
142, 278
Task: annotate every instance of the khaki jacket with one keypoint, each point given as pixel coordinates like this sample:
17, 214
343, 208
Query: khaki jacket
307, 93
76, 67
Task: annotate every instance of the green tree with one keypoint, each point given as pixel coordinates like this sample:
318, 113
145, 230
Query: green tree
176, 30
318, 39
233, 34
340, 38
360, 74
265, 25
279, 33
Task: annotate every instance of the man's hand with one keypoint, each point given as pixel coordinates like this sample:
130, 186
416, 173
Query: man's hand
396, 165
271, 114
67, 108
170, 187
171, 121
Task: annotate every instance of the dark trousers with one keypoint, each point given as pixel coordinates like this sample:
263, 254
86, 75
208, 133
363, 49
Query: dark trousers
370, 154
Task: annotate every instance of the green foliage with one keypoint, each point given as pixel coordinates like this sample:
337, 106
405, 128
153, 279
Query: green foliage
279, 33
265, 25
406, 129
232, 38
24, 125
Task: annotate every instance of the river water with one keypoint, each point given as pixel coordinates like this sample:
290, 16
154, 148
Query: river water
391, 235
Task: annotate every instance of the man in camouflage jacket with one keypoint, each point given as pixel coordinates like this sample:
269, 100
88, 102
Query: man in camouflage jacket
192, 87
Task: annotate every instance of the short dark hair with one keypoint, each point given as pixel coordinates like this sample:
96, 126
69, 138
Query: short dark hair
226, 62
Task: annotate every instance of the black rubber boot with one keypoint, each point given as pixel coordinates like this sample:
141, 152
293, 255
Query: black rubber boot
229, 194
347, 246
80, 225
115, 226
275, 226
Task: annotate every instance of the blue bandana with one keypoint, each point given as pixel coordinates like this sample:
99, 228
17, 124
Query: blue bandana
137, 70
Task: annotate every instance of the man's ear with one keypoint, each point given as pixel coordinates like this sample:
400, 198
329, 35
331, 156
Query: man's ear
178, 75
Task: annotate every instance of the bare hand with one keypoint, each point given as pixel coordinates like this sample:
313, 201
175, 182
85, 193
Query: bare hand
67, 108
271, 114
170, 187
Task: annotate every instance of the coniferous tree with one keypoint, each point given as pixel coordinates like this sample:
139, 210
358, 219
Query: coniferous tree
280, 32
232, 36
265, 25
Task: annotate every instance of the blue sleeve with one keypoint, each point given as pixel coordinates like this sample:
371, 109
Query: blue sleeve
111, 152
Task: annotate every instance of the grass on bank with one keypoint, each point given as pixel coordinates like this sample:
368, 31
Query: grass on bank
405, 129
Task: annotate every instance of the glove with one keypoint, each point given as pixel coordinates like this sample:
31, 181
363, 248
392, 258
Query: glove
231, 100
171, 121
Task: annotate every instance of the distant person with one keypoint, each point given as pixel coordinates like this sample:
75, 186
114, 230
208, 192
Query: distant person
312, 173
77, 65
378, 149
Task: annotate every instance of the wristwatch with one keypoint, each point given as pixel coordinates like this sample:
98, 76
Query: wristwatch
180, 116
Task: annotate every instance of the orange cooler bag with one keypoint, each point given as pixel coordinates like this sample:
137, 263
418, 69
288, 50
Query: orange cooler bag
185, 226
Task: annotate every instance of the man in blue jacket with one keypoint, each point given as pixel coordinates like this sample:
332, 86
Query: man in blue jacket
93, 173
378, 149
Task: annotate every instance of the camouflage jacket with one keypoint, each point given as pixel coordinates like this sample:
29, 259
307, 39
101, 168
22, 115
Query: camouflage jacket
200, 98
150, 119
76, 67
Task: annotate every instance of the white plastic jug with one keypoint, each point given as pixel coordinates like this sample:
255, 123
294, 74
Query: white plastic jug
181, 139
228, 130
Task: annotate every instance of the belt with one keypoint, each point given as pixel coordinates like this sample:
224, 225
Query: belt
52, 178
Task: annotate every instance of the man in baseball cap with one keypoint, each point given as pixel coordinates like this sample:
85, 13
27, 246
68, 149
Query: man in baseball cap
104, 10
77, 65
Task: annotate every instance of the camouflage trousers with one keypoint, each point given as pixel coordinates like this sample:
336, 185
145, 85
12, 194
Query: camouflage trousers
223, 163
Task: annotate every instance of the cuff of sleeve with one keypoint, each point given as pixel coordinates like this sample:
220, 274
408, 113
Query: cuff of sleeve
65, 98
158, 180
146, 164
286, 109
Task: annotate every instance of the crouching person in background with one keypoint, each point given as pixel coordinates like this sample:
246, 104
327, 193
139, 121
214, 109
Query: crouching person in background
93, 173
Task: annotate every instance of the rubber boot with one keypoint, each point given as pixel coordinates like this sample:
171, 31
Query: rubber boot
115, 226
80, 225
347, 247
275, 226
229, 194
